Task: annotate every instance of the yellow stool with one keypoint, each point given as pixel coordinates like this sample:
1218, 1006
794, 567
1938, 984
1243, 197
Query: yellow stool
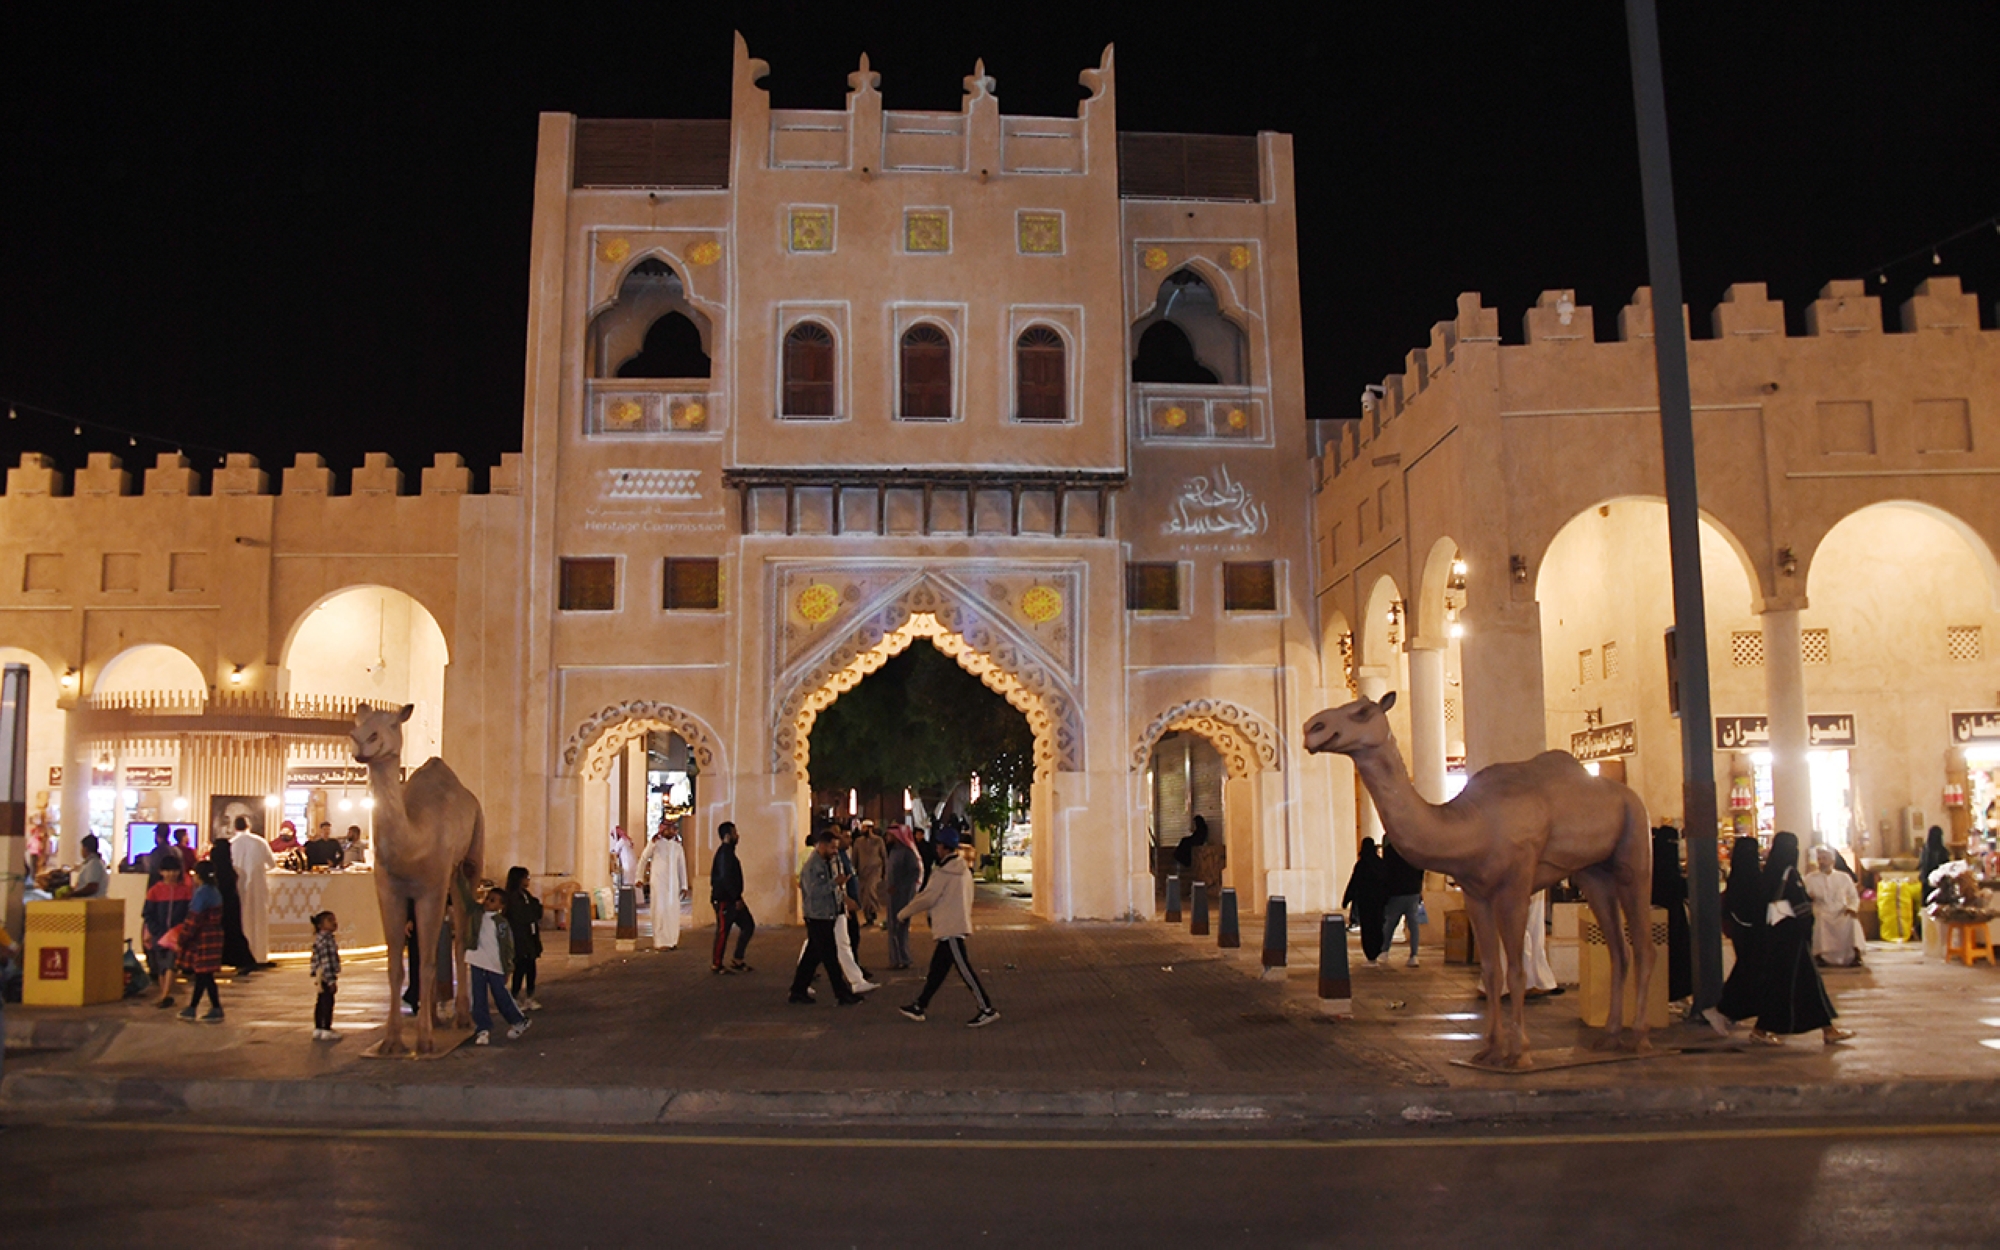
1968, 942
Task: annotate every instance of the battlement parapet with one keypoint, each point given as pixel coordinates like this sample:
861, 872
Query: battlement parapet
173, 476
1745, 316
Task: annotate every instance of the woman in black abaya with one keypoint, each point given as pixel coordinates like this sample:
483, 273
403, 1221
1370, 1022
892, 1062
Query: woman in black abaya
1367, 893
235, 946
1793, 998
1670, 890
1743, 922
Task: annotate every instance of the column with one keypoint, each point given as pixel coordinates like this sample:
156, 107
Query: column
1501, 660
1785, 704
1427, 746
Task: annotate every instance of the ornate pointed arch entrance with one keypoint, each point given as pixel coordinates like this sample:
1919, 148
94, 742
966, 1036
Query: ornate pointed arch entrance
601, 753
1250, 748
1006, 665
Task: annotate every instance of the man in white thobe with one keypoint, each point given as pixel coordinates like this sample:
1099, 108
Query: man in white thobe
1836, 911
253, 859
665, 865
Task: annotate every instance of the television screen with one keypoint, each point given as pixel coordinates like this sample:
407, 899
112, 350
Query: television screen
143, 837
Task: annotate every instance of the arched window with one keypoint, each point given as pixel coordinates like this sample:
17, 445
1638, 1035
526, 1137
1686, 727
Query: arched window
926, 374
672, 350
1188, 339
809, 371
1040, 369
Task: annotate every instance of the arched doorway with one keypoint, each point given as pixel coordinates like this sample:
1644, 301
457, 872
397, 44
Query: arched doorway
1900, 635
369, 644
1210, 757
47, 725
1605, 588
123, 776
1049, 712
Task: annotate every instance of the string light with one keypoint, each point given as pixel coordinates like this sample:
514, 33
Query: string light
1936, 249
77, 426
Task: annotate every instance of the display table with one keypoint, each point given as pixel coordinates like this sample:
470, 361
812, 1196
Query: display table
75, 952
296, 897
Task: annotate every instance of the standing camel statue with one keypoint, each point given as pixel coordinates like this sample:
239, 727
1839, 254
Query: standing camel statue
1514, 829
427, 831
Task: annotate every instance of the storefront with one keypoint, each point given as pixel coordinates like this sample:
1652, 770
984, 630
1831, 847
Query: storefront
1836, 801
1605, 748
1974, 798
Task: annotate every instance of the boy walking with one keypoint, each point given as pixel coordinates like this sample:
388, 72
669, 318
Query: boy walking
947, 896
489, 962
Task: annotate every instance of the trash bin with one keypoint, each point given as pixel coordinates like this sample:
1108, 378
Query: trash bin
1594, 980
75, 952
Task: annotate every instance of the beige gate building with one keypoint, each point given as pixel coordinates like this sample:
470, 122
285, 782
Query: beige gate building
804, 388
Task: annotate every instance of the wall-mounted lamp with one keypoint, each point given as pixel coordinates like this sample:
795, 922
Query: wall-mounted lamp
69, 679
1457, 629
236, 675
1518, 569
1788, 562
1593, 716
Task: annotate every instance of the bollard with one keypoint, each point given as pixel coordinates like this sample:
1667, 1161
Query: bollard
1227, 935
1173, 900
627, 933
1274, 938
579, 923
1336, 989
1198, 907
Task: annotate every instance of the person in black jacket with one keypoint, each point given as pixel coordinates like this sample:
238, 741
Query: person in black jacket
524, 921
1404, 883
725, 892
1670, 891
1368, 893
1743, 924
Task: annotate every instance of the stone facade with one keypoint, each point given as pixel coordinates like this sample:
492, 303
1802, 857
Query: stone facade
902, 408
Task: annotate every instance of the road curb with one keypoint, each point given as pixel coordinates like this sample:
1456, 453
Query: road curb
39, 1095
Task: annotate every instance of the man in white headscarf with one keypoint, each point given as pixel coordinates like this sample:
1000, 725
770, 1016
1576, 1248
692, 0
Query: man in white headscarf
253, 858
1836, 907
665, 864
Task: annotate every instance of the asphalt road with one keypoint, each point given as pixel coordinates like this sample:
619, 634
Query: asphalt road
177, 1184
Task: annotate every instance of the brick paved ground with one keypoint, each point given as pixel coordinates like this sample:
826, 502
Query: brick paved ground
1140, 1007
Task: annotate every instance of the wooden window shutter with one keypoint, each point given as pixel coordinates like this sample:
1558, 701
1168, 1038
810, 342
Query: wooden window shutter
926, 374
1153, 587
693, 584
1250, 587
589, 585
1039, 366
809, 390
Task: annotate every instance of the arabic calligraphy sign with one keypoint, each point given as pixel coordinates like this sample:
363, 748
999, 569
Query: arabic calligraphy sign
330, 776
1970, 727
1216, 504
1752, 733
1605, 742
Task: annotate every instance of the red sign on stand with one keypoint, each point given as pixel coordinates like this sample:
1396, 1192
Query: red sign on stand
55, 963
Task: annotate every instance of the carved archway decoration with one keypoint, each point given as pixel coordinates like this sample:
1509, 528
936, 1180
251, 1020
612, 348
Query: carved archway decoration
598, 740
1029, 689
1246, 741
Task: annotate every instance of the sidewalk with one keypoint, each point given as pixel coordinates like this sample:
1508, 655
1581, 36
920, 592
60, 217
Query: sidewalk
1103, 1024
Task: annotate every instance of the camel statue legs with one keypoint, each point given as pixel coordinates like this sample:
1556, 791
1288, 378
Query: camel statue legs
1621, 889
1499, 925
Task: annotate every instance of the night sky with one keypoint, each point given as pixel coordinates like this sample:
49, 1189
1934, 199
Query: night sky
277, 233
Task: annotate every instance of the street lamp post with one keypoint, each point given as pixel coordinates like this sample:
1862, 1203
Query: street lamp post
1683, 506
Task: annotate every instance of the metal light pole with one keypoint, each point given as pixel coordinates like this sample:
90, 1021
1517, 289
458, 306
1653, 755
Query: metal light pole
1683, 515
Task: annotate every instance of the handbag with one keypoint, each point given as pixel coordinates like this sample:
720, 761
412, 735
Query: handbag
171, 939
1423, 913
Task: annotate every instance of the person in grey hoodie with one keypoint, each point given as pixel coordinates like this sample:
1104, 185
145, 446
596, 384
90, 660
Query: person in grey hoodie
823, 904
947, 896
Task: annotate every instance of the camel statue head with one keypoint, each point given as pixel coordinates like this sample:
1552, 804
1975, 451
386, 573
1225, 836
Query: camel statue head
1351, 727
377, 734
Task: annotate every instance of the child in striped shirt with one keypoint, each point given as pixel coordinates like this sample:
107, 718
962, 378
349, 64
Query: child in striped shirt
325, 971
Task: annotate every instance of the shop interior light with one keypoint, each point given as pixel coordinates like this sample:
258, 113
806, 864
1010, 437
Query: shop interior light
131, 799
368, 801
1761, 759
1458, 629
853, 802
347, 805
1982, 755
272, 800
1458, 568
181, 803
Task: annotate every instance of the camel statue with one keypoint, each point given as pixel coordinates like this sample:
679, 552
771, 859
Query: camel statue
1514, 829
428, 832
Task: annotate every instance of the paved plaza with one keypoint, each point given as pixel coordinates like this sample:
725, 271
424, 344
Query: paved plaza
1129, 1022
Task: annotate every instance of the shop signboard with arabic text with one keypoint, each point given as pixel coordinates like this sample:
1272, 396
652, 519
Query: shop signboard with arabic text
1605, 741
1829, 730
1975, 728
326, 776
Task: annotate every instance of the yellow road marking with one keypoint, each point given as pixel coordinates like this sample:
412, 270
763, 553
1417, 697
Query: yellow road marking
557, 1137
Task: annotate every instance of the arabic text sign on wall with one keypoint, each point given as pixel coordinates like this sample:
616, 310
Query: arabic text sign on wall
1753, 733
1605, 741
331, 776
1975, 727
1216, 504
149, 776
